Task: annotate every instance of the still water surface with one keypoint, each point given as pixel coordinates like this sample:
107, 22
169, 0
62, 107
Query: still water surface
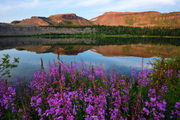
30, 61
120, 57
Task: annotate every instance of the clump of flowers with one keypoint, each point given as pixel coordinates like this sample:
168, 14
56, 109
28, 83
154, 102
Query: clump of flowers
7, 98
66, 92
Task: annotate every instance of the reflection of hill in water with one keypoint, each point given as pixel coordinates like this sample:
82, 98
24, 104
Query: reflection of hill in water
139, 50
41, 45
20, 41
64, 49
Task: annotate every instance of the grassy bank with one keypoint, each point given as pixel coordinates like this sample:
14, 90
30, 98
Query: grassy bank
140, 36
120, 30
88, 35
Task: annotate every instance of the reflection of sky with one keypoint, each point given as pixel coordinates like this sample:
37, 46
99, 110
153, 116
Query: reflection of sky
30, 61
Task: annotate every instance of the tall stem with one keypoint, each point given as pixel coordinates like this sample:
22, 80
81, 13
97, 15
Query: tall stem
60, 80
93, 80
59, 74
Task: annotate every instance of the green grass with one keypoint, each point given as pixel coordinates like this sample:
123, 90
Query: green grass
86, 35
147, 36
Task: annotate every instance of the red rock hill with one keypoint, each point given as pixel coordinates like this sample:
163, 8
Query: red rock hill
59, 19
139, 19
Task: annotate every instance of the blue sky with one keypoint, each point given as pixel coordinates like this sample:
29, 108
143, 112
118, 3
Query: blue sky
20, 9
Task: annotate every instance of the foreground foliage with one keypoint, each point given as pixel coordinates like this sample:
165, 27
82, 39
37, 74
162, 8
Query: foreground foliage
6, 65
67, 92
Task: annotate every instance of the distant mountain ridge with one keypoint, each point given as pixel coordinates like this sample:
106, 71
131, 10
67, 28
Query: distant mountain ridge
139, 19
59, 19
132, 19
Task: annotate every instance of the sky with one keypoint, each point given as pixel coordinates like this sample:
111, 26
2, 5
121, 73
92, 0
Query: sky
11, 10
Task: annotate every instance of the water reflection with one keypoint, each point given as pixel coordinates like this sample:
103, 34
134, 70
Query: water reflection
30, 61
139, 50
121, 57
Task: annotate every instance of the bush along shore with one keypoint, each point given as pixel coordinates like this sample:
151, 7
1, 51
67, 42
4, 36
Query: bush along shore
67, 92
95, 29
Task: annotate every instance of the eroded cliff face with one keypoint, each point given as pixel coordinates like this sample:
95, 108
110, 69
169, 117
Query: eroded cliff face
133, 19
139, 19
59, 19
68, 19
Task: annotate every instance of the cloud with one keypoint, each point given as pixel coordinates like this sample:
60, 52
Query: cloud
167, 2
92, 2
31, 4
4, 8
12, 6
131, 4
74, 3
19, 9
104, 5
53, 4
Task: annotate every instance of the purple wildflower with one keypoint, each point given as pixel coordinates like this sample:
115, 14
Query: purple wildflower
146, 110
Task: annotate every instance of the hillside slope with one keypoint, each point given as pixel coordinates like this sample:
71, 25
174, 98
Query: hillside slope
59, 19
132, 19
139, 19
68, 19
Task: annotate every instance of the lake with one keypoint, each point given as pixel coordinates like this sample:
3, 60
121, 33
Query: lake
124, 57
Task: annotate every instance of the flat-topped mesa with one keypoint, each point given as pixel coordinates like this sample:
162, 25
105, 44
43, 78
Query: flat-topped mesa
38, 17
68, 19
132, 19
70, 16
130, 13
35, 17
175, 13
65, 16
58, 19
139, 19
